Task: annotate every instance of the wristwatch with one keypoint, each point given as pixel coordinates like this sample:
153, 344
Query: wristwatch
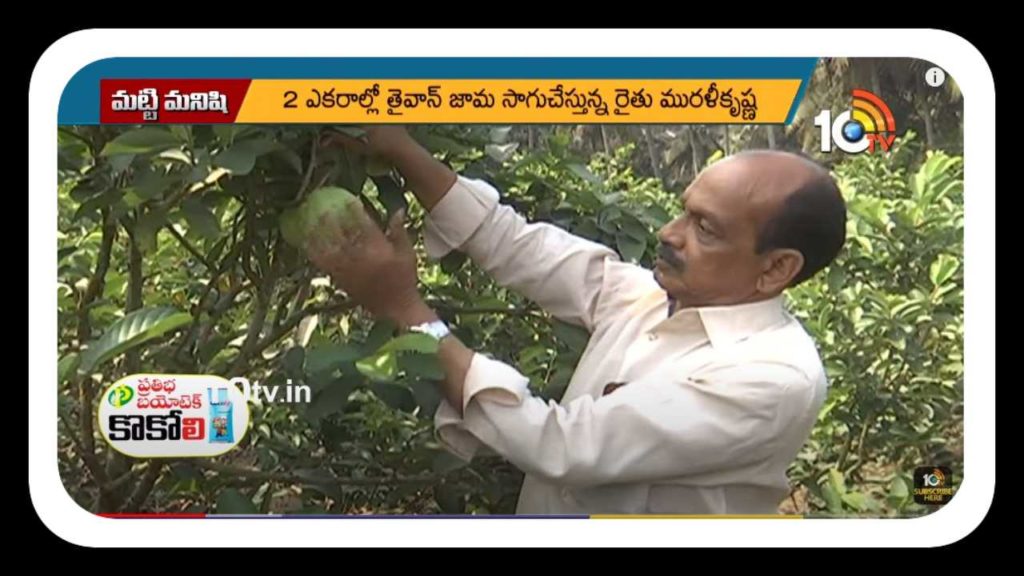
438, 329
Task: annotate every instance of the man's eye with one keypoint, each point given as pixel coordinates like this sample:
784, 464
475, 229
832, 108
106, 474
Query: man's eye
703, 225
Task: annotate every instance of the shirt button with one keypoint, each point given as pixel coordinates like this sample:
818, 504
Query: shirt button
652, 337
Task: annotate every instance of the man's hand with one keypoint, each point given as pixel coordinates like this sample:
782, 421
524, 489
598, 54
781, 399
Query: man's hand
429, 179
384, 141
376, 269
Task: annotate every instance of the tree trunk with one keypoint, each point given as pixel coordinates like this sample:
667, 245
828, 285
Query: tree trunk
771, 136
876, 84
133, 301
929, 126
693, 151
652, 155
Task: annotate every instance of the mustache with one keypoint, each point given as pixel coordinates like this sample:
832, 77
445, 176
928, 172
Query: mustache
666, 253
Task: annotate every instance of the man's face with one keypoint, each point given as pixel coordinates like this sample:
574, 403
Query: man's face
707, 256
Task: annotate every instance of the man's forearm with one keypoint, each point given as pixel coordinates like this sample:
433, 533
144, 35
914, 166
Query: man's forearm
428, 178
452, 354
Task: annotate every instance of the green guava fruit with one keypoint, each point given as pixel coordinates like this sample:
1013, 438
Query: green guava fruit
299, 223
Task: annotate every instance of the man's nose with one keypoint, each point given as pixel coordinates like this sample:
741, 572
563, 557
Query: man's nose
672, 234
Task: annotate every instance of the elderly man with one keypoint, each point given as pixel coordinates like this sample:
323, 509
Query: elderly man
696, 390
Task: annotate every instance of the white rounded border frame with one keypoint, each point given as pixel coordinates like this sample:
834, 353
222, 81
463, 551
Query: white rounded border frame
958, 57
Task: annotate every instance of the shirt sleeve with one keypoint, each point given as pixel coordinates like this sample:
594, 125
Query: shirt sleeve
564, 274
649, 429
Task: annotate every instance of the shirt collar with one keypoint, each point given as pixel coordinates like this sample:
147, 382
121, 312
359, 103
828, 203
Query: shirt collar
726, 325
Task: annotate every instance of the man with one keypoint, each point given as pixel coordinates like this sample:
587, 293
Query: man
696, 390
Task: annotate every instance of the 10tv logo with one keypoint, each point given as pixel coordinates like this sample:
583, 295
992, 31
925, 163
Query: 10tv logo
868, 126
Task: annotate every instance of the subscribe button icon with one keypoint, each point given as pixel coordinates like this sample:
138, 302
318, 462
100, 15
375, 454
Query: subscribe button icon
173, 415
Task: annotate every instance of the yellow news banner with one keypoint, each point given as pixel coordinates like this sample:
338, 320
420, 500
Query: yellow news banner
519, 101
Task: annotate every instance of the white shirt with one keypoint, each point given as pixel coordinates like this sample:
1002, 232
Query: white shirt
717, 401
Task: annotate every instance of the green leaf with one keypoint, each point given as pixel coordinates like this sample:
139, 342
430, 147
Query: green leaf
328, 358
151, 184
293, 360
855, 500
499, 135
942, 269
587, 229
445, 462
212, 347
200, 219
145, 140
183, 132
836, 481
176, 155
630, 248
833, 500
381, 332
120, 162
501, 153
351, 131
66, 366
436, 143
453, 261
449, 498
634, 228
146, 229
411, 342
291, 158
608, 219
427, 397
395, 395
899, 493
96, 203
66, 251
574, 337
353, 173
907, 309
331, 399
422, 365
836, 279
226, 133
231, 501
131, 331
715, 157
390, 194
238, 159
381, 367
584, 173
657, 215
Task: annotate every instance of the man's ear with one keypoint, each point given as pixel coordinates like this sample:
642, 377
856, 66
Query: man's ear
780, 267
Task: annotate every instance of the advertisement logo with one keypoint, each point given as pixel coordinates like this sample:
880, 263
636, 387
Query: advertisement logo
120, 396
173, 416
933, 485
868, 125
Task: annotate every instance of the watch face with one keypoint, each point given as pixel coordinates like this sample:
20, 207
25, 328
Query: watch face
437, 329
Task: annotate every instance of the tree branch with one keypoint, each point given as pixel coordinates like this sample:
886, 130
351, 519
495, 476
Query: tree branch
144, 487
314, 146
294, 320
194, 332
91, 463
259, 476
87, 446
80, 138
249, 345
134, 298
189, 247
